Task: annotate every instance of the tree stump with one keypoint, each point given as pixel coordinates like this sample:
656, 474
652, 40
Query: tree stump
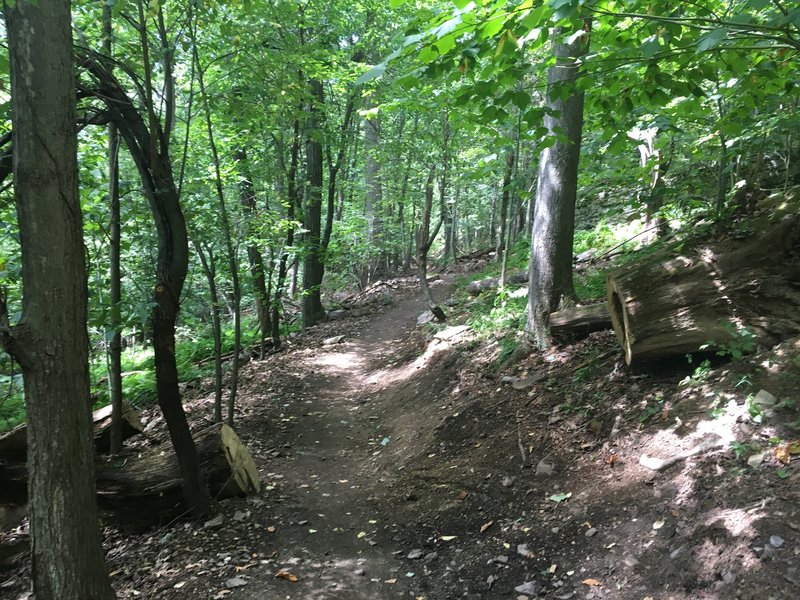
666, 305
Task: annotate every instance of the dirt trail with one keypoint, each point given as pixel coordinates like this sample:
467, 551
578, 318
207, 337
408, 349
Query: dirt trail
330, 530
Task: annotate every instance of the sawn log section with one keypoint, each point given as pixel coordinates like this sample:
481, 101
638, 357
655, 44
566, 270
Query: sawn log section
667, 305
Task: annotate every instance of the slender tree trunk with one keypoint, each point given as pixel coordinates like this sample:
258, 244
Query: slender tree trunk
247, 197
291, 192
373, 198
313, 265
550, 282
209, 264
505, 201
114, 331
424, 242
51, 343
233, 263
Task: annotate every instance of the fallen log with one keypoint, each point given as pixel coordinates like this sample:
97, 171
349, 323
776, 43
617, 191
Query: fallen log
476, 287
14, 444
581, 320
666, 305
138, 491
146, 490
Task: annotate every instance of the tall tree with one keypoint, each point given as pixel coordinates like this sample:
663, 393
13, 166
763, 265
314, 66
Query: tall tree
51, 341
550, 282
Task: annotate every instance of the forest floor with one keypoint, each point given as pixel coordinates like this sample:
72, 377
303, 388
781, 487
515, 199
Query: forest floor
405, 461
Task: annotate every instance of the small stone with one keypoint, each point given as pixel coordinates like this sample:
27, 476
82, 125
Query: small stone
500, 560
523, 550
544, 468
590, 532
529, 588
776, 541
235, 582
337, 339
677, 552
215, 522
239, 516
728, 577
415, 554
431, 556
630, 560
507, 482
756, 460
360, 572
425, 317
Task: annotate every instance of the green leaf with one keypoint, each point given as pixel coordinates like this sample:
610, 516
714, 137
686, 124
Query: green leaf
493, 25
396, 3
558, 498
374, 73
711, 40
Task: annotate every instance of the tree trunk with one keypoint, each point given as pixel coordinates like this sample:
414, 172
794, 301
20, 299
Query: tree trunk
373, 198
664, 305
209, 264
313, 267
424, 242
554, 215
291, 189
151, 155
114, 330
51, 342
247, 197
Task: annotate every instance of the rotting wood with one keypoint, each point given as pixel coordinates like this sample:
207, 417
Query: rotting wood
146, 490
581, 320
476, 287
138, 490
14, 444
667, 305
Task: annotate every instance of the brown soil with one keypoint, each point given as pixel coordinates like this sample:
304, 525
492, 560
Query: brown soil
400, 463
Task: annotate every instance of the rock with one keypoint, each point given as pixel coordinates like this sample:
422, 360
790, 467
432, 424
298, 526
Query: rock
452, 334
235, 582
523, 550
630, 560
425, 317
529, 588
337, 314
337, 339
728, 577
526, 382
239, 516
756, 460
776, 540
432, 556
501, 560
360, 572
544, 468
507, 482
214, 523
764, 398
415, 554
590, 532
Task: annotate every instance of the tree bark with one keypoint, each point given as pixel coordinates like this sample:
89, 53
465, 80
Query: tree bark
313, 265
51, 343
424, 241
373, 197
150, 153
553, 227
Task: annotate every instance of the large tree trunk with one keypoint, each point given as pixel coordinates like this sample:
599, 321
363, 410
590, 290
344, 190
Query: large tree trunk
664, 306
51, 343
313, 269
554, 214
